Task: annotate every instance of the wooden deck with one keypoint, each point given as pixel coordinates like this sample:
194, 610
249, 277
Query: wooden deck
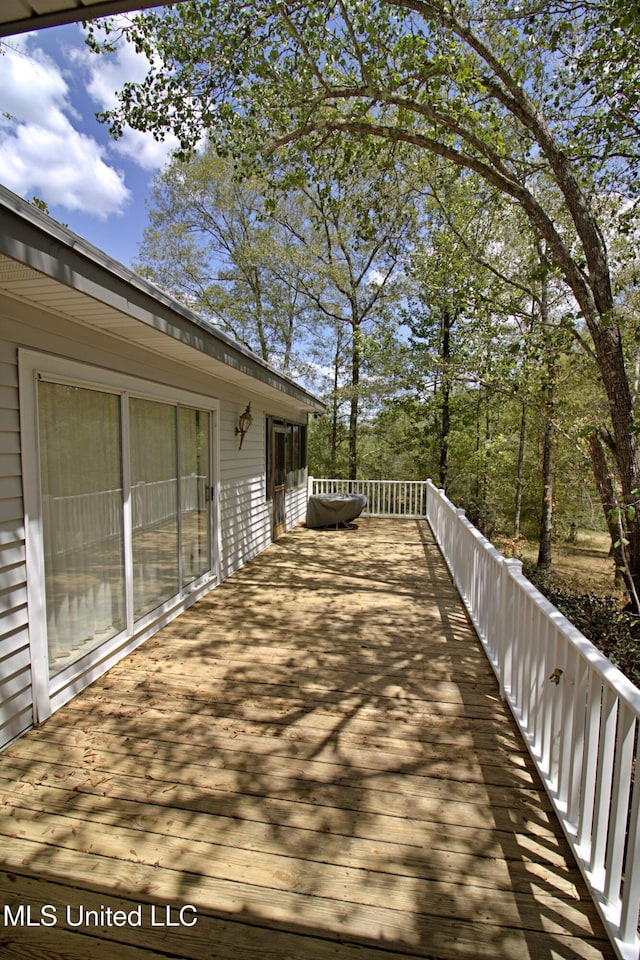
316, 758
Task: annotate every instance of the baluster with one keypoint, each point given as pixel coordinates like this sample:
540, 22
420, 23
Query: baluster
620, 802
631, 888
606, 754
594, 703
579, 727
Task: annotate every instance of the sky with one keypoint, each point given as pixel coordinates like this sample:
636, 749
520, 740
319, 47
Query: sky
53, 148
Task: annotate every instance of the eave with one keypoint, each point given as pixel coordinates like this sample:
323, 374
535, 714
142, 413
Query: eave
46, 264
22, 16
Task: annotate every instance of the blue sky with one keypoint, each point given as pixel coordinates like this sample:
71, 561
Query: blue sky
52, 147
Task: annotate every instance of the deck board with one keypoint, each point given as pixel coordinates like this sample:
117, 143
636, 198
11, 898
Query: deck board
316, 757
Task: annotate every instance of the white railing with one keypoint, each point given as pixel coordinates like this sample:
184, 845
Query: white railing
77, 521
578, 714
386, 498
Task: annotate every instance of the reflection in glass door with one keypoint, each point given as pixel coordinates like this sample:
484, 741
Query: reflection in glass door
195, 501
279, 480
88, 476
81, 490
154, 503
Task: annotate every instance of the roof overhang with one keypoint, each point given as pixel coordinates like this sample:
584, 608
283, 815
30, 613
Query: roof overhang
43, 263
20, 16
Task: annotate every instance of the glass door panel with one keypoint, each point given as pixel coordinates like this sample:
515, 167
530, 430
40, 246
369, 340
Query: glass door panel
279, 448
154, 503
81, 489
195, 486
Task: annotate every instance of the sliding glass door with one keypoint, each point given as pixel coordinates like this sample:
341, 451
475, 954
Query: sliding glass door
81, 487
126, 525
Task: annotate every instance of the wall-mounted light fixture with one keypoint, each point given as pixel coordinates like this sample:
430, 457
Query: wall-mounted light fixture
244, 422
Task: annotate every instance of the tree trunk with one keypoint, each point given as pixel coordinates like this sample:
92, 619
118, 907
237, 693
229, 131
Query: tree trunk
625, 444
334, 408
488, 437
611, 507
354, 404
521, 445
478, 442
546, 512
445, 425
288, 340
546, 517
256, 290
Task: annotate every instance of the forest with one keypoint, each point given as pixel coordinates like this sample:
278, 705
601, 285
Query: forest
427, 212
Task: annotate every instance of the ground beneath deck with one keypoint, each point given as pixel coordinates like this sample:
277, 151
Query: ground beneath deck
315, 758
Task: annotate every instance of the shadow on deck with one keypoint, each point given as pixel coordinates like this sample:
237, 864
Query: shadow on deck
315, 757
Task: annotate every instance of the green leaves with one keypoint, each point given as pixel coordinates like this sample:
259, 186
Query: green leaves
540, 101
614, 631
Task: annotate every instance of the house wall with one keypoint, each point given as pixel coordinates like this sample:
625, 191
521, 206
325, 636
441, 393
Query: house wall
15, 663
242, 493
242, 490
244, 514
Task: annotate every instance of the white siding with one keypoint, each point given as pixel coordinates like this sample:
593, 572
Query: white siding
16, 712
244, 512
297, 505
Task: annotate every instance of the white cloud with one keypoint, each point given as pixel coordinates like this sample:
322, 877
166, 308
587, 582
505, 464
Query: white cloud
108, 72
63, 167
46, 146
106, 75
144, 150
32, 85
42, 149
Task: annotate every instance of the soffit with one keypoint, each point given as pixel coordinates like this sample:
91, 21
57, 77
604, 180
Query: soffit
20, 16
22, 282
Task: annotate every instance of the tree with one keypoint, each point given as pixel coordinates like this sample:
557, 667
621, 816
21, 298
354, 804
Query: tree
480, 269
352, 257
281, 263
476, 84
214, 242
433, 312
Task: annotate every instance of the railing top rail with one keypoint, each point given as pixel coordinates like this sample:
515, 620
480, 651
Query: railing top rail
627, 691
389, 482
583, 741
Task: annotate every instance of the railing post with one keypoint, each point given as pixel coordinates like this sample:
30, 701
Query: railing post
309, 486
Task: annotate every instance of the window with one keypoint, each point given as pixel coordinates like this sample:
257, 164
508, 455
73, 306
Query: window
296, 454
294, 436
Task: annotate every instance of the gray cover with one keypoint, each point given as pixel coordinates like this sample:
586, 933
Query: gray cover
330, 509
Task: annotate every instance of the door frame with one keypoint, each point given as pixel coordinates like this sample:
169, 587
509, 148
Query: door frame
278, 491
